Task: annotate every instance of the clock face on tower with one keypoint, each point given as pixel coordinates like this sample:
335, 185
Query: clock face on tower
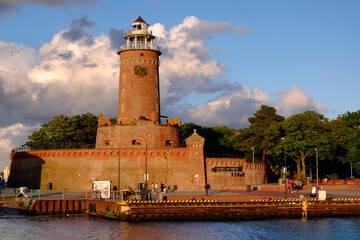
140, 70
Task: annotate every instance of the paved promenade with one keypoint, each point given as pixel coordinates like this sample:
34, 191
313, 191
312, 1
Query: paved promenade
275, 190
260, 191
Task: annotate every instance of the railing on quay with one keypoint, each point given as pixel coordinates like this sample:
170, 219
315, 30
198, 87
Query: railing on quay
59, 194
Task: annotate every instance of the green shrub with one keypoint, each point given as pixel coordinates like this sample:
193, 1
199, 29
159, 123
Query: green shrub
333, 176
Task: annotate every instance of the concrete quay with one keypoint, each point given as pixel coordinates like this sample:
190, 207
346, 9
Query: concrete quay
269, 190
266, 201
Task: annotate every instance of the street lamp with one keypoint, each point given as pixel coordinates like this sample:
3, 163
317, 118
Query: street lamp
146, 172
253, 156
317, 168
118, 188
285, 170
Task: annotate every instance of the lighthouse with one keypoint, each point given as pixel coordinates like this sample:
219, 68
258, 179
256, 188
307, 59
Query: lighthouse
138, 117
139, 76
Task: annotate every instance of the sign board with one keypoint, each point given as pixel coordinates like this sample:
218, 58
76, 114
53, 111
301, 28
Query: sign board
322, 195
103, 187
232, 169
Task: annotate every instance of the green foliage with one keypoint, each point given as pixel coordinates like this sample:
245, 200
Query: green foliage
217, 139
302, 134
65, 133
113, 120
333, 176
351, 119
349, 139
256, 135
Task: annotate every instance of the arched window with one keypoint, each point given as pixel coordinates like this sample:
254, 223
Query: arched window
123, 108
156, 79
124, 78
156, 93
156, 108
123, 93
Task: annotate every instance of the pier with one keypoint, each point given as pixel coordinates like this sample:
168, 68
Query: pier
266, 203
192, 209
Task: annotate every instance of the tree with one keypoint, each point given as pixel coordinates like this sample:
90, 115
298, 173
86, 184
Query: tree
351, 119
350, 138
217, 139
65, 133
254, 136
302, 134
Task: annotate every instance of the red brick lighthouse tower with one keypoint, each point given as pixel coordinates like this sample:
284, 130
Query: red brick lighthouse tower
138, 117
139, 76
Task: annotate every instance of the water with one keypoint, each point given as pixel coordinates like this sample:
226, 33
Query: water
86, 227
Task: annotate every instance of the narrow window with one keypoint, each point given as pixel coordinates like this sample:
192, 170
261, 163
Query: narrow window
156, 93
135, 142
124, 78
123, 108
123, 93
157, 108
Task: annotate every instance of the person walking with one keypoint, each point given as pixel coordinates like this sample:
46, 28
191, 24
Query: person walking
115, 191
156, 189
207, 189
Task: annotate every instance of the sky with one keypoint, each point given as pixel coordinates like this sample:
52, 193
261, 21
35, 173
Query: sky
221, 60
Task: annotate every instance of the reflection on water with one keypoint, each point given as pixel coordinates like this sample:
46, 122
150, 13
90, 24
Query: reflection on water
85, 227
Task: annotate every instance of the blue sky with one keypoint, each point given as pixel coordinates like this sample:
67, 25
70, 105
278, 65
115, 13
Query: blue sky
220, 62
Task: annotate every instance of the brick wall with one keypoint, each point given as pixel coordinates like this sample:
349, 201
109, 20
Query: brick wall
136, 136
139, 91
223, 173
76, 169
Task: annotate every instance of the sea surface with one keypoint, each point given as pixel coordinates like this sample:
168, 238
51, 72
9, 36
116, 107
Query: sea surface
15, 226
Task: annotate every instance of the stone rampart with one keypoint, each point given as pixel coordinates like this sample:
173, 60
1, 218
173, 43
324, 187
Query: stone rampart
77, 169
224, 173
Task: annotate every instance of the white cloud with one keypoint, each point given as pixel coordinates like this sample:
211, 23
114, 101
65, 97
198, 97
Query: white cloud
16, 56
11, 137
11, 134
232, 108
295, 100
187, 65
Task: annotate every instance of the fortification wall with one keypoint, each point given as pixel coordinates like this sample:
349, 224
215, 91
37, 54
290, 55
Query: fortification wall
223, 173
76, 169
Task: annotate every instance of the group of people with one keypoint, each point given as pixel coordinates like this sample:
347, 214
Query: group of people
294, 186
155, 188
126, 192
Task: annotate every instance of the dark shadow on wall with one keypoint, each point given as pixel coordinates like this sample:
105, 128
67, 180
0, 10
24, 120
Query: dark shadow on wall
25, 170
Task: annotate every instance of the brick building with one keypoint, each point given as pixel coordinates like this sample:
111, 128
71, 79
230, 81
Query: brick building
139, 147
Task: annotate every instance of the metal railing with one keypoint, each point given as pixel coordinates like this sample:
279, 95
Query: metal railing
142, 46
60, 194
137, 31
21, 149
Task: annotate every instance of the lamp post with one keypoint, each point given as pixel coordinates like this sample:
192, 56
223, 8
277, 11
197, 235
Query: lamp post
146, 172
253, 157
285, 170
118, 181
317, 168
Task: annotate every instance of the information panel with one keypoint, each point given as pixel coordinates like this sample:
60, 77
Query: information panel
102, 187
